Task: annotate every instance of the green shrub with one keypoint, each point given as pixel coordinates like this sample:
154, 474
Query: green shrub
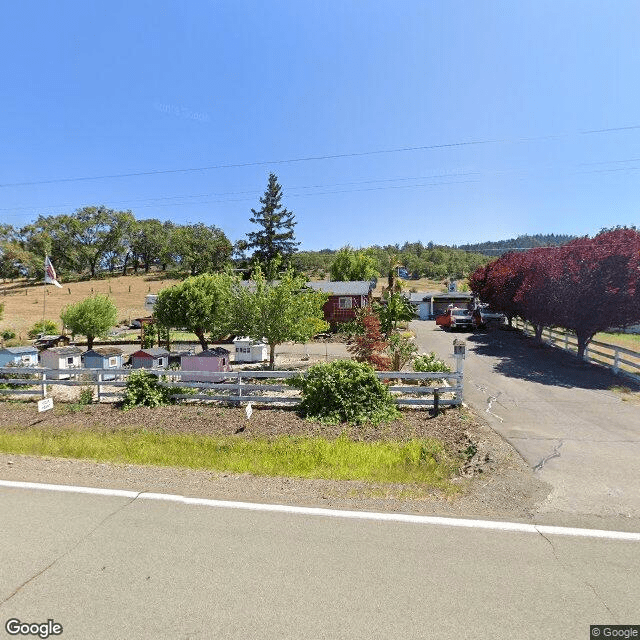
7, 334
430, 362
47, 327
86, 396
345, 391
143, 389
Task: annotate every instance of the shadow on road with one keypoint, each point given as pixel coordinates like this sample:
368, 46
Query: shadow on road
519, 356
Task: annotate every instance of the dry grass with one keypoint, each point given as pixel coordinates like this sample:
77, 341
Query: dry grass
23, 302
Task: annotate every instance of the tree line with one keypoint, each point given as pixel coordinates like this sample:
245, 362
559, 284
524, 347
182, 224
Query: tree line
586, 286
97, 239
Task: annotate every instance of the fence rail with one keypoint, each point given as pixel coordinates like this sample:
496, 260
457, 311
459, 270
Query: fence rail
229, 386
619, 359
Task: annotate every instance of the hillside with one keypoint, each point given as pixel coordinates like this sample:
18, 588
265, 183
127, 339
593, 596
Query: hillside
496, 248
23, 302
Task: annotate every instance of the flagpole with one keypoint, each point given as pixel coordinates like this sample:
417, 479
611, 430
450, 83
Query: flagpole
44, 290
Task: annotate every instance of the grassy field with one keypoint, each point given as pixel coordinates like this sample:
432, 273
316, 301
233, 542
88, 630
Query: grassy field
23, 303
422, 462
626, 340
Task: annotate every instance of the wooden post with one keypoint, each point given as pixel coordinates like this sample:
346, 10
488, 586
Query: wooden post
436, 402
44, 385
99, 380
616, 361
459, 350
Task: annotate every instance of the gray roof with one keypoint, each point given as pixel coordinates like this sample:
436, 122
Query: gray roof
104, 351
349, 288
64, 351
17, 350
214, 353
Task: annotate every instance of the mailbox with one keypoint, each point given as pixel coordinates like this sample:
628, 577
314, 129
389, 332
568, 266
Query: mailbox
459, 348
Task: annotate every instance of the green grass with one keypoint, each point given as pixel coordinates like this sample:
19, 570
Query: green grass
627, 340
423, 462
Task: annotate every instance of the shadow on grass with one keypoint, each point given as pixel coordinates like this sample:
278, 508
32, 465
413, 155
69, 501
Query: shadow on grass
519, 356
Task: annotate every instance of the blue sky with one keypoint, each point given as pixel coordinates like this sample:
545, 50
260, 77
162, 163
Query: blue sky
522, 90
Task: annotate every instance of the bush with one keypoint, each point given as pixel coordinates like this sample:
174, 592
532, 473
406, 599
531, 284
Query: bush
47, 327
429, 362
143, 389
7, 334
345, 391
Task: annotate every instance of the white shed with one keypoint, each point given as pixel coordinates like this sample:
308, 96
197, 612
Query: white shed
61, 358
248, 350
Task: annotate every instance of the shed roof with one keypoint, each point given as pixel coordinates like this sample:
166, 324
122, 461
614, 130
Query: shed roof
348, 288
17, 350
154, 353
104, 352
217, 352
64, 351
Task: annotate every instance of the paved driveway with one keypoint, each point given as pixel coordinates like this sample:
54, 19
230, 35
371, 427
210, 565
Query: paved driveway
560, 414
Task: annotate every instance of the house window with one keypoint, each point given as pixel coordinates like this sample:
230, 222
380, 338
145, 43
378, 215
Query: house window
70, 360
161, 362
345, 303
113, 362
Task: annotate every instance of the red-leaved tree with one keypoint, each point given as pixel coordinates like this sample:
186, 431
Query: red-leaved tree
587, 285
369, 346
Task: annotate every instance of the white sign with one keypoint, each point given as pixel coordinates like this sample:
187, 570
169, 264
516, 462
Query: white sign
248, 411
45, 405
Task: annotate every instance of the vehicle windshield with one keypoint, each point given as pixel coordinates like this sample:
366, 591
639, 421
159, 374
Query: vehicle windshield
459, 312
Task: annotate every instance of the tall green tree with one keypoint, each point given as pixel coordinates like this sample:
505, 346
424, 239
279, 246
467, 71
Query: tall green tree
92, 317
202, 304
201, 249
278, 311
351, 264
148, 239
397, 309
275, 237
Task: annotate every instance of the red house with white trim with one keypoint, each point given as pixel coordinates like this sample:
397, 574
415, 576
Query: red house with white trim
345, 298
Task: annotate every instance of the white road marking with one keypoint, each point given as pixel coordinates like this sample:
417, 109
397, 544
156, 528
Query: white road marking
518, 527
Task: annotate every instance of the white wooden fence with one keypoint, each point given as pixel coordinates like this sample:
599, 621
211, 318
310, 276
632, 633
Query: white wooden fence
618, 359
230, 386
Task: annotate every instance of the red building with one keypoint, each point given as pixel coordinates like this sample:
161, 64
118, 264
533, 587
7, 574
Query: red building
345, 298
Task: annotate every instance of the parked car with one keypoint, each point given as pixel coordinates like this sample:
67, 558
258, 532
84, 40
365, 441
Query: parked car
456, 319
483, 318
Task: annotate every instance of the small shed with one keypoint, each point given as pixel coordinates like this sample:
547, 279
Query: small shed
61, 358
248, 350
103, 358
205, 362
19, 356
150, 359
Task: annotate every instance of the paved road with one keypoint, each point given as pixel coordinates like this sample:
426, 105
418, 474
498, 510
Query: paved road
559, 413
117, 567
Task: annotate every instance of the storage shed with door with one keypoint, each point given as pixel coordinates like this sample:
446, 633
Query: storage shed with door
61, 358
203, 363
19, 356
150, 359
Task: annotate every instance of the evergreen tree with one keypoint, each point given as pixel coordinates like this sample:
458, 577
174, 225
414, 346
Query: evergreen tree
276, 235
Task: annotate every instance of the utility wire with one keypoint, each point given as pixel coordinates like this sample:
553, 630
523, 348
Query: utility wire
334, 156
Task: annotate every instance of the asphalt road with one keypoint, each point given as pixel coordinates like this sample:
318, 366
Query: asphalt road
132, 568
562, 415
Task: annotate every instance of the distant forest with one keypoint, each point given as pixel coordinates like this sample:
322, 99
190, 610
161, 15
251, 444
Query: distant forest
499, 247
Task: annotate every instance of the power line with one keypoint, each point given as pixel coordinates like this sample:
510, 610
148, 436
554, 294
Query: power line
334, 156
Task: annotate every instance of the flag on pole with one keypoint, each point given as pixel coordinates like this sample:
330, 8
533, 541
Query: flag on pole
50, 273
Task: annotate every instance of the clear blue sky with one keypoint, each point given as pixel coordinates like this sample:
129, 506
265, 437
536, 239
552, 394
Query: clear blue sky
93, 89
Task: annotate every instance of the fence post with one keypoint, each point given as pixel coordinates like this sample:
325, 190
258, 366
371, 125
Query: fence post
436, 402
44, 385
239, 388
566, 340
616, 361
459, 349
99, 380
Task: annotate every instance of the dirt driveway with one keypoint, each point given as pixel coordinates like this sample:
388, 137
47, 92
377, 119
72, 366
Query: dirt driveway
566, 418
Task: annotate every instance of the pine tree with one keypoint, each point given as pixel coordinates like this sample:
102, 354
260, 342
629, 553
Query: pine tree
276, 237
